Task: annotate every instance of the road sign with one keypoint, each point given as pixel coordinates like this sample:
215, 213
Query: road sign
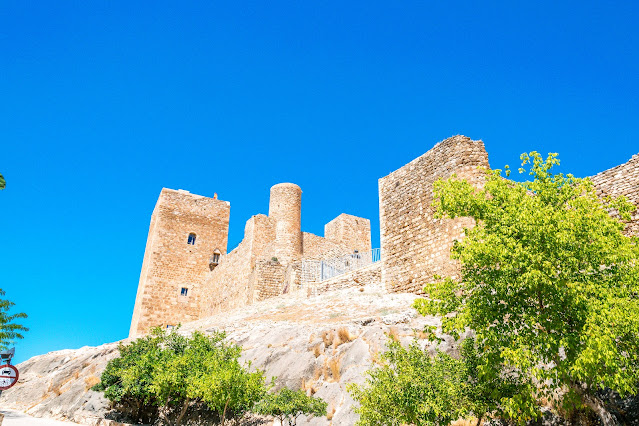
8, 376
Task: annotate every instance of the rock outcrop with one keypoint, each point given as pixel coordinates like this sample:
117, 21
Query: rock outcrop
319, 344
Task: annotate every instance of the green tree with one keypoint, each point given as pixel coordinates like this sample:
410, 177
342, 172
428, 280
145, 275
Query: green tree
9, 330
162, 375
413, 387
3, 183
287, 405
549, 284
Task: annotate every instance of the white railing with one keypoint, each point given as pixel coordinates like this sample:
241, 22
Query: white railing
319, 270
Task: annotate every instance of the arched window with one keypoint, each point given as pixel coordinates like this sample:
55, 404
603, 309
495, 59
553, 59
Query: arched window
191, 239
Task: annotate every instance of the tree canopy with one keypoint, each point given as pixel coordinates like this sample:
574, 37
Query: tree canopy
164, 376
9, 329
549, 284
3, 183
413, 387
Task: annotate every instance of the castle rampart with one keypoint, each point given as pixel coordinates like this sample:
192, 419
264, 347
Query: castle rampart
415, 245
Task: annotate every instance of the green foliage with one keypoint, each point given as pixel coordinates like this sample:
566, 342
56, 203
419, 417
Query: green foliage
549, 284
3, 183
163, 374
287, 405
9, 330
412, 387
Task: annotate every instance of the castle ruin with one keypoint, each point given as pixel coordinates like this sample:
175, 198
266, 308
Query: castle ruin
187, 273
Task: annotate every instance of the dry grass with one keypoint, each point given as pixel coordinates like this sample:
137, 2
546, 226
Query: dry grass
91, 381
344, 336
317, 373
393, 333
420, 334
331, 412
317, 350
328, 337
334, 364
462, 422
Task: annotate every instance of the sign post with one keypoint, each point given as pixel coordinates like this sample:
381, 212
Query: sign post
8, 373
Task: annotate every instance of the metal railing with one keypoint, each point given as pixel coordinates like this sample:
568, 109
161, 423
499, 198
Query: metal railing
320, 270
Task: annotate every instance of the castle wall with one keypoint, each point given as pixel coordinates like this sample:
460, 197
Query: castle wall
416, 246
316, 247
370, 276
350, 231
232, 283
622, 180
270, 278
171, 263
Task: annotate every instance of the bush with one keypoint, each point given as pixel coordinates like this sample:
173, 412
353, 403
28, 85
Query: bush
160, 376
165, 376
288, 405
411, 387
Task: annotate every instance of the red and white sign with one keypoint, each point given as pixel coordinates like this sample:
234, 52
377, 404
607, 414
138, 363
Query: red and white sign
8, 376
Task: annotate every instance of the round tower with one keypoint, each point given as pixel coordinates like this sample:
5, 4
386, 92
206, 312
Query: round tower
286, 208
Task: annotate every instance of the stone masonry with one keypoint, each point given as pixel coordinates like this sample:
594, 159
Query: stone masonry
415, 245
187, 229
622, 180
181, 282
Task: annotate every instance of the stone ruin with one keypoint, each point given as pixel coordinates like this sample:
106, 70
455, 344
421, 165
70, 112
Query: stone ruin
187, 273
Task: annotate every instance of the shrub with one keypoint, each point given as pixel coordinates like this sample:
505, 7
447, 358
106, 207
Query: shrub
411, 387
287, 405
163, 374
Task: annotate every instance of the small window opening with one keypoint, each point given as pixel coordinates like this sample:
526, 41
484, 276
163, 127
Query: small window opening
184, 291
214, 260
191, 239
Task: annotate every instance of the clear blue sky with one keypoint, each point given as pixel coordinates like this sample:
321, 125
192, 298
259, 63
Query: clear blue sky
104, 103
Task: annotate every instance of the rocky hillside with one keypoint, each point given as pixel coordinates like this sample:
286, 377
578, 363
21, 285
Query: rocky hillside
319, 344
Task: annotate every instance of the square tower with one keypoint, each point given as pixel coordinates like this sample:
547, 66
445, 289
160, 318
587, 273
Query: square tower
186, 231
350, 231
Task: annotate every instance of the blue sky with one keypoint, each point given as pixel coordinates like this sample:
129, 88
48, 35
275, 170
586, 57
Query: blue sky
104, 103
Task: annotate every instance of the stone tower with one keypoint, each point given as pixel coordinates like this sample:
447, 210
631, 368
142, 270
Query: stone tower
186, 231
285, 208
350, 231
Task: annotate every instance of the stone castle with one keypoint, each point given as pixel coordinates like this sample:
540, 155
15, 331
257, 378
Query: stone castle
187, 273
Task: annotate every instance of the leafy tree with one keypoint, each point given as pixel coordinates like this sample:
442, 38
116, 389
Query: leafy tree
9, 330
162, 375
413, 387
287, 405
549, 284
165, 376
3, 183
